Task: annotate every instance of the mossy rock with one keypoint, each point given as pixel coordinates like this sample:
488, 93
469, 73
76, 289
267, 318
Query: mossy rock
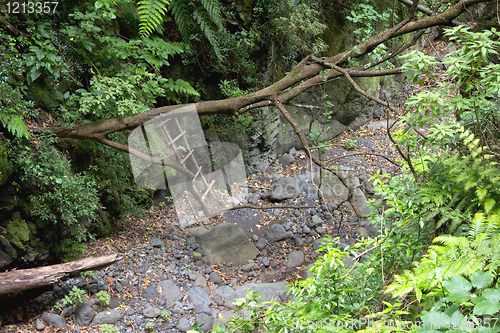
19, 232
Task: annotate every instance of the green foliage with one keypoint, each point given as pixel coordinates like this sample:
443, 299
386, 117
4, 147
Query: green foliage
60, 196
108, 328
103, 297
367, 21
74, 298
13, 107
151, 14
466, 305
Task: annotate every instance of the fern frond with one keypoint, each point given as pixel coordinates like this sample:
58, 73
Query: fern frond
213, 9
201, 16
151, 14
15, 125
182, 15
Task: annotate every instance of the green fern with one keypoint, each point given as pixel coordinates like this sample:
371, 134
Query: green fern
15, 125
203, 18
151, 14
213, 10
181, 10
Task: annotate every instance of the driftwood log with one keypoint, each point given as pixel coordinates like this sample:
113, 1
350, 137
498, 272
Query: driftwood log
24, 279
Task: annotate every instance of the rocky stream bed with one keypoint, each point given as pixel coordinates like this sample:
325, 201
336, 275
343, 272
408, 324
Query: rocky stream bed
174, 275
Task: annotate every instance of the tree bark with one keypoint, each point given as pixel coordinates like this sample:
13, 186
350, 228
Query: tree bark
24, 279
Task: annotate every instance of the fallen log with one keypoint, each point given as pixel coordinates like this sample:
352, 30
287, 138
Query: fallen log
24, 279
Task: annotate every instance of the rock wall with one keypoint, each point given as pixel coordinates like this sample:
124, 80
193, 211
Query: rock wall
272, 135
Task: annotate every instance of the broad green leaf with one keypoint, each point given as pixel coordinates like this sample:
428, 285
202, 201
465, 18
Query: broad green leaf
486, 308
492, 294
481, 280
457, 284
435, 320
458, 297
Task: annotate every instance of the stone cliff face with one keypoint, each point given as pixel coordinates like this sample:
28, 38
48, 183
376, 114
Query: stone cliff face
271, 134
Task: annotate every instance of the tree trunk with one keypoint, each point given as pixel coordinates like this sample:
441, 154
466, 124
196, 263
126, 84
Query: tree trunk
24, 279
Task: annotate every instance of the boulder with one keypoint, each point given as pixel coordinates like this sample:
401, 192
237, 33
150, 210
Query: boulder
286, 159
225, 243
168, 290
198, 296
276, 233
205, 321
294, 259
270, 291
331, 186
84, 315
52, 319
285, 188
108, 317
359, 201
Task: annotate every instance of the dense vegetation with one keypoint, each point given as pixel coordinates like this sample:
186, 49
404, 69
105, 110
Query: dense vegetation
434, 266
435, 260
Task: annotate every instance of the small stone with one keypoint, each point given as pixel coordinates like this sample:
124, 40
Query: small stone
214, 277
255, 238
39, 325
178, 311
261, 243
320, 230
151, 312
183, 325
299, 242
317, 220
294, 259
306, 230
156, 242
265, 262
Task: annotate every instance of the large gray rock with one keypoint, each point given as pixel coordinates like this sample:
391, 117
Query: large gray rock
276, 233
285, 188
84, 315
205, 321
331, 186
52, 319
108, 317
294, 259
183, 325
270, 291
168, 290
286, 159
359, 201
225, 243
226, 292
198, 296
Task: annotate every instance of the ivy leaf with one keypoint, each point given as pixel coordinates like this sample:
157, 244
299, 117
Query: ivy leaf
486, 307
481, 280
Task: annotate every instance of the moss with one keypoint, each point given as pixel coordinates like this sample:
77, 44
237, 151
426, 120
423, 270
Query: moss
18, 232
5, 166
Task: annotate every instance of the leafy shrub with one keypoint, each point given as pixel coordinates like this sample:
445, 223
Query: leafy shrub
59, 194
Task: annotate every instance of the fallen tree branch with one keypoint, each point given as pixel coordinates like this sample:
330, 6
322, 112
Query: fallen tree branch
270, 207
24, 279
354, 154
